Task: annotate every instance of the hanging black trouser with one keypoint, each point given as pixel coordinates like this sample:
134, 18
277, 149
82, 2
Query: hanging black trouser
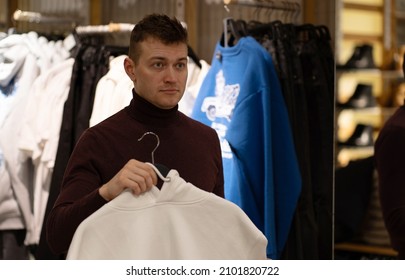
302, 239
317, 69
304, 62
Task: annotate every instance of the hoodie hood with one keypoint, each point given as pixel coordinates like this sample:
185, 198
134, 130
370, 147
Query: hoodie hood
11, 60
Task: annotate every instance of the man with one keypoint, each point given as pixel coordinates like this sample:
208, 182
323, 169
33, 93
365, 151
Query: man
389, 158
108, 158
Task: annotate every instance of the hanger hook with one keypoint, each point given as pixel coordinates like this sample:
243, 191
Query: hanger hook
226, 3
157, 144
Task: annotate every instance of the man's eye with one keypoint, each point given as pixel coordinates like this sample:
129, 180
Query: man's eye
158, 65
181, 65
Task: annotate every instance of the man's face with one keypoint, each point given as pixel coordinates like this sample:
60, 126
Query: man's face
160, 75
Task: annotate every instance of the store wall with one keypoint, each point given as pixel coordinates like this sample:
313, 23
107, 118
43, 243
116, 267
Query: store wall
3, 14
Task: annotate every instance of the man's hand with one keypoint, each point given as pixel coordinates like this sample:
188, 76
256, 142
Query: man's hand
135, 175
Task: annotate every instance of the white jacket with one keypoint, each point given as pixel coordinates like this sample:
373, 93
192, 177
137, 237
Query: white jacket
195, 79
16, 184
113, 91
180, 221
24, 58
39, 133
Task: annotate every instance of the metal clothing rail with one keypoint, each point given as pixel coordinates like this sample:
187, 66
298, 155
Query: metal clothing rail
289, 10
111, 27
268, 4
35, 17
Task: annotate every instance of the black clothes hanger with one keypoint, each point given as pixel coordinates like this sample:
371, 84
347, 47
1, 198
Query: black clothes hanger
232, 32
323, 32
258, 29
309, 31
116, 50
242, 27
164, 170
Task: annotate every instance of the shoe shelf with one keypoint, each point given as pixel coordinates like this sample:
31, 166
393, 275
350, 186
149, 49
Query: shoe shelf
362, 98
347, 154
361, 37
366, 77
363, 6
348, 118
360, 105
385, 74
367, 10
357, 118
365, 249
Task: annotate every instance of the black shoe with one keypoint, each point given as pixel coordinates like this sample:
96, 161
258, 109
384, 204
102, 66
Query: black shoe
362, 98
362, 58
361, 137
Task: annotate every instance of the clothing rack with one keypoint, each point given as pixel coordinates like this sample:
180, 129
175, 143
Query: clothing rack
289, 6
48, 25
290, 10
112, 35
111, 27
35, 17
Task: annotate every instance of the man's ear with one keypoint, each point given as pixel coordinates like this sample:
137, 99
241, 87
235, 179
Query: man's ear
129, 66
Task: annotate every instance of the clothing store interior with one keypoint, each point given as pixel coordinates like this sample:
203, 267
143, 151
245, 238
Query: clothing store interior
313, 187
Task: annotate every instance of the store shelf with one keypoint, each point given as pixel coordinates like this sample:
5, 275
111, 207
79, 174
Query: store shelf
388, 74
367, 22
370, 116
347, 154
361, 37
366, 249
363, 7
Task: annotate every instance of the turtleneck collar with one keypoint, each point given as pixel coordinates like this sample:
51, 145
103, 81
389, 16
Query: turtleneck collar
147, 113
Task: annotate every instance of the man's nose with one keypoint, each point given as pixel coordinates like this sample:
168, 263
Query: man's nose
170, 75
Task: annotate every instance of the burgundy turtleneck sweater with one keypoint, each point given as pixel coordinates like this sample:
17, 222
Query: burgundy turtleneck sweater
389, 156
186, 145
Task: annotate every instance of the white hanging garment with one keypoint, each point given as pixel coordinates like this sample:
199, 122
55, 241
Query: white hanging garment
180, 221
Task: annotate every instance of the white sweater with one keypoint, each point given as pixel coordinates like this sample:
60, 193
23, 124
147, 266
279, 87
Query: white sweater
113, 91
39, 133
180, 221
15, 181
31, 62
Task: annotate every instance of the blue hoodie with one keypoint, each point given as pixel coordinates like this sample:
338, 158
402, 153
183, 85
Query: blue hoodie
241, 98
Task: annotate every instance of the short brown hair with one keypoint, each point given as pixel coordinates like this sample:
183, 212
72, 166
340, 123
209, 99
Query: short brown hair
160, 26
